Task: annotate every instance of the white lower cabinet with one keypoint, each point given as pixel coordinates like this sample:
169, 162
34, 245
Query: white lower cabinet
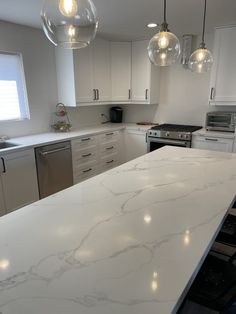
19, 180
2, 204
213, 143
135, 144
95, 154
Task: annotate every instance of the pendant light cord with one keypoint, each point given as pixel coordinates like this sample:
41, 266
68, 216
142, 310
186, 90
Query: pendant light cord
164, 25
165, 11
204, 24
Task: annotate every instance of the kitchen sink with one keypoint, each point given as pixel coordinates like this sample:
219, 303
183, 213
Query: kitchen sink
4, 145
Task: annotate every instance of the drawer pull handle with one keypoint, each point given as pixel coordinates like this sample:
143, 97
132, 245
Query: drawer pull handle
110, 162
211, 139
85, 139
88, 170
4, 165
212, 93
146, 94
108, 134
109, 148
86, 155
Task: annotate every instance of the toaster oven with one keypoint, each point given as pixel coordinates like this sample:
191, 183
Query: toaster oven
221, 121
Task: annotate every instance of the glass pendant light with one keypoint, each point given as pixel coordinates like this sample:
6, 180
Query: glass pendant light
201, 59
164, 47
70, 24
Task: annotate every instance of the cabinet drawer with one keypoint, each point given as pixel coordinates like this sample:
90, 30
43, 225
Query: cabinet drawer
109, 162
84, 142
108, 148
84, 155
85, 171
109, 137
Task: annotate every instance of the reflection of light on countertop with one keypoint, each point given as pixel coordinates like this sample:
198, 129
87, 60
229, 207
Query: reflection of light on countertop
63, 231
4, 264
154, 283
147, 219
84, 253
187, 237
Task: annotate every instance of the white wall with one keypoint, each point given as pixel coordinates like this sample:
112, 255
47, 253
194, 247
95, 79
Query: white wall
183, 100
39, 65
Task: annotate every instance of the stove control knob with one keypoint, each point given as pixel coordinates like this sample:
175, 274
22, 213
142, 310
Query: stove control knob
181, 136
186, 136
167, 134
150, 133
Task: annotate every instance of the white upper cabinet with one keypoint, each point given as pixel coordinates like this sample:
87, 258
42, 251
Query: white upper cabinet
102, 71
83, 75
107, 72
121, 71
145, 76
223, 76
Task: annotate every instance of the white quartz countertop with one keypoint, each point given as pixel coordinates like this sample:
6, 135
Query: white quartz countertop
53, 137
204, 132
128, 241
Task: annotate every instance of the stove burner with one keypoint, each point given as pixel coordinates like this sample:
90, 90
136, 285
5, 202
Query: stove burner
176, 128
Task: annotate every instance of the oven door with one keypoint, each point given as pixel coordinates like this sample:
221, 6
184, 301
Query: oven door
156, 143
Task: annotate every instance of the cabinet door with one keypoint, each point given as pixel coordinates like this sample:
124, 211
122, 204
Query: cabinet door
135, 144
141, 71
102, 75
213, 143
83, 69
223, 78
2, 203
121, 71
20, 185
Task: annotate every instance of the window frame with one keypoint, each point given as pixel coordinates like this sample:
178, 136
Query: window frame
25, 111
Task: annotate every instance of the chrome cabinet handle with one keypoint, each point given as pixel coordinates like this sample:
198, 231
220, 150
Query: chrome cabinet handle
146, 94
212, 93
94, 94
4, 165
85, 139
87, 155
98, 96
129, 95
109, 148
111, 161
211, 139
88, 170
108, 134
53, 151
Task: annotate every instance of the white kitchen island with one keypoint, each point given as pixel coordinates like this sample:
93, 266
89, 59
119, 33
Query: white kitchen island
129, 241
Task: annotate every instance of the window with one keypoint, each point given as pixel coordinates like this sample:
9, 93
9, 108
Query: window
13, 95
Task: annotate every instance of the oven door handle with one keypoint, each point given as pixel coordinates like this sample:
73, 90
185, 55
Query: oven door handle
166, 141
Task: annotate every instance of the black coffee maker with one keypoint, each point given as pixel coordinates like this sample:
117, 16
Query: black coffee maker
116, 114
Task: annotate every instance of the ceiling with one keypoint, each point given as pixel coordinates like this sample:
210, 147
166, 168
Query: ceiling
127, 19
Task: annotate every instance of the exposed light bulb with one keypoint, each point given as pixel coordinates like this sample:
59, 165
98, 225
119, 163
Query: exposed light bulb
68, 8
200, 60
200, 55
71, 31
163, 41
163, 56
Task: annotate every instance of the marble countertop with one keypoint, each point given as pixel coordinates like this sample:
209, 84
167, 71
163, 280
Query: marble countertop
204, 132
128, 241
53, 137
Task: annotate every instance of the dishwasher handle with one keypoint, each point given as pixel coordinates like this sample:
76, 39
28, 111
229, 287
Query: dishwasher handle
53, 151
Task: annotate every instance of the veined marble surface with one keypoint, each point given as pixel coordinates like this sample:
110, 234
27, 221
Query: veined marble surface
37, 140
128, 241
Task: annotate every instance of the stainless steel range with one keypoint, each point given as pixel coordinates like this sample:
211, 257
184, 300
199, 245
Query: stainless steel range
170, 134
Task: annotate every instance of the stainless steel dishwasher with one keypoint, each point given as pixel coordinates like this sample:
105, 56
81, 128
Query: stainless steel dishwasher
54, 168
